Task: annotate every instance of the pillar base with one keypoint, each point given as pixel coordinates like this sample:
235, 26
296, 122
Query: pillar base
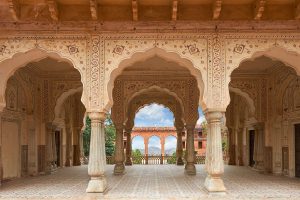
190, 169
179, 161
214, 184
128, 162
119, 169
259, 166
96, 184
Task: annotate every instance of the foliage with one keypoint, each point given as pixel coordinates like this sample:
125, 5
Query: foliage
87, 137
172, 159
137, 156
204, 128
110, 134
224, 144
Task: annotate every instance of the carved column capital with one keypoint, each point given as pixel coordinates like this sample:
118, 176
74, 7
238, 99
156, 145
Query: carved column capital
213, 116
97, 116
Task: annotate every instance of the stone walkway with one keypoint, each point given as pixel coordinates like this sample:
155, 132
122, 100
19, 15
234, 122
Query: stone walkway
152, 182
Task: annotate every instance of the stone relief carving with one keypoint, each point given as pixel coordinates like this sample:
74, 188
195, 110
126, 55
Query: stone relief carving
117, 48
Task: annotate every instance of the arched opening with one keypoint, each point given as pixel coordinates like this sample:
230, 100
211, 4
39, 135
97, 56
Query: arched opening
262, 111
155, 79
42, 114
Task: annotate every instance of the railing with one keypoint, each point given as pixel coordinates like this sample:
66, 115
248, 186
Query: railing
156, 159
159, 159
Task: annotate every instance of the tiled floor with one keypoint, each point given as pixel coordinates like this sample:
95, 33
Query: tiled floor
152, 182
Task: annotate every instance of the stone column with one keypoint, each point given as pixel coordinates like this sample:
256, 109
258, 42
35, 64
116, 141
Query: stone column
76, 147
231, 139
81, 146
54, 162
190, 150
259, 146
68, 145
146, 142
119, 151
128, 148
49, 150
214, 157
97, 158
162, 144
179, 148
240, 146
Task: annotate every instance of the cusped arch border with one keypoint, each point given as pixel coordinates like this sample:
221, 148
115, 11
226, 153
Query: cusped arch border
17, 52
241, 50
169, 55
61, 99
128, 114
247, 98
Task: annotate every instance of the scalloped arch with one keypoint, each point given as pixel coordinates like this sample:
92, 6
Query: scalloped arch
10, 65
290, 58
246, 96
61, 99
146, 54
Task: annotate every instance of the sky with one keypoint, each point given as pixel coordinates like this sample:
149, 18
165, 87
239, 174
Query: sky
159, 116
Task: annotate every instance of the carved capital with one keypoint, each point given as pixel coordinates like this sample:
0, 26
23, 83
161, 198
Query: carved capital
213, 116
174, 10
53, 9
217, 6
259, 8
135, 10
94, 9
14, 8
97, 116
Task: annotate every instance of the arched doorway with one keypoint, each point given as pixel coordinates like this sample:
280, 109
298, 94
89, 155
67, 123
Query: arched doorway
32, 87
264, 123
155, 80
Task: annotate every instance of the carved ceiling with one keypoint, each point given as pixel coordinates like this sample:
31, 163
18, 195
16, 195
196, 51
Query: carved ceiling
147, 10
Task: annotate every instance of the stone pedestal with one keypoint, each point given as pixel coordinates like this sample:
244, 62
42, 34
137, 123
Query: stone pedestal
97, 159
214, 158
190, 168
119, 151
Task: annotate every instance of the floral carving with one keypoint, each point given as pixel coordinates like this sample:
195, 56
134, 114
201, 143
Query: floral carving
193, 49
239, 48
119, 49
73, 49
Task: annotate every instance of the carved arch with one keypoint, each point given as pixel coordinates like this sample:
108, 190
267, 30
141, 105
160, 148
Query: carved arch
61, 100
241, 50
10, 63
246, 97
141, 55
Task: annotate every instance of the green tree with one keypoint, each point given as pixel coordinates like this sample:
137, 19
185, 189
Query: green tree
110, 134
87, 137
204, 128
172, 159
137, 156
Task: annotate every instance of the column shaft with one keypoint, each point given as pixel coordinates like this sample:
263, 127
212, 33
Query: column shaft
128, 148
259, 147
97, 158
214, 158
179, 148
49, 150
119, 151
190, 151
